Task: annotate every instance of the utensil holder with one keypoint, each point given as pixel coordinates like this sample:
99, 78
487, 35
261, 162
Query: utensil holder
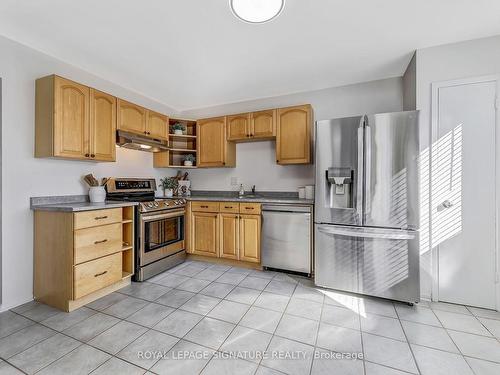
97, 194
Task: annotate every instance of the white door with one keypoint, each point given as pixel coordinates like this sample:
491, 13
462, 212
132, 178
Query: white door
463, 191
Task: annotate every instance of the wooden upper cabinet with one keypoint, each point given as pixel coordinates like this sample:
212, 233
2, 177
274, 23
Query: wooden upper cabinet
157, 125
293, 135
213, 150
250, 227
263, 124
71, 125
229, 236
205, 233
73, 121
131, 117
102, 126
238, 127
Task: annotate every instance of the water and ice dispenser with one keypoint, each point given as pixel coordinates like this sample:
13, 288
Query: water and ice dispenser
340, 187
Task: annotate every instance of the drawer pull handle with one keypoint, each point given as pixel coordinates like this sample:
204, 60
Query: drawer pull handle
249, 208
101, 217
228, 206
100, 274
102, 241
204, 206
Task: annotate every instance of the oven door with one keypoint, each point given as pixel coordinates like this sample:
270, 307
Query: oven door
161, 234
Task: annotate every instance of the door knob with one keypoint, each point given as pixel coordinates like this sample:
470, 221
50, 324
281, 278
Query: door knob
444, 205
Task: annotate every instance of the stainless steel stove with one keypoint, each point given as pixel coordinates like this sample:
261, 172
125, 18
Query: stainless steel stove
159, 225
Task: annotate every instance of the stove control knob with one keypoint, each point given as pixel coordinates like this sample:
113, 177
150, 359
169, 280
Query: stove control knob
150, 205
156, 204
167, 204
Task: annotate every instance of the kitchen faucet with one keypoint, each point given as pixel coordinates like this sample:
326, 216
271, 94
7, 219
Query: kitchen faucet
253, 190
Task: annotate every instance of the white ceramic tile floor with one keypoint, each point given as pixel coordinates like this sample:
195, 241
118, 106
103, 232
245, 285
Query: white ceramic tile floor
201, 318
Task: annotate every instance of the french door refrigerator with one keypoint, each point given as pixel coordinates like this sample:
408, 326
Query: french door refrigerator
366, 205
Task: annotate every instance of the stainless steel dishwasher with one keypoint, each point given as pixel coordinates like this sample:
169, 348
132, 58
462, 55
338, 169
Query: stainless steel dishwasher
287, 237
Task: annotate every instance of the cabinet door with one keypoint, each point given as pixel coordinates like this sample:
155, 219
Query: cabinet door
157, 125
263, 124
293, 135
71, 125
205, 234
250, 226
131, 117
102, 126
238, 127
229, 233
211, 142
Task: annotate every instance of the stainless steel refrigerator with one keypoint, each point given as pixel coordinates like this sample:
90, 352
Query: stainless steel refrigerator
367, 205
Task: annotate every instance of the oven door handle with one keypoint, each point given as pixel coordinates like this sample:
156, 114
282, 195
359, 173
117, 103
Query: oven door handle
163, 216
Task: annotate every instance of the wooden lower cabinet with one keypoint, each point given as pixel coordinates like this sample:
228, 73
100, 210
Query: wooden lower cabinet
82, 256
229, 235
205, 232
250, 226
231, 230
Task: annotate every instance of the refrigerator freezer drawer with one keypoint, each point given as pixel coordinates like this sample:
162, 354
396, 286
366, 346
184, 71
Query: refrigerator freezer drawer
286, 240
372, 261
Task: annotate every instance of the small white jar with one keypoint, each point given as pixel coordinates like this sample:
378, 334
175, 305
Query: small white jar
309, 191
178, 132
188, 163
302, 192
168, 193
97, 194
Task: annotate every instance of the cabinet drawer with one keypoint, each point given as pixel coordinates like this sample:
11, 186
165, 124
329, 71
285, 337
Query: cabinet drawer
96, 242
98, 217
230, 207
205, 206
97, 274
250, 208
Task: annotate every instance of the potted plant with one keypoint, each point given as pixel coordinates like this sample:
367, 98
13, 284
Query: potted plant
168, 185
178, 128
189, 160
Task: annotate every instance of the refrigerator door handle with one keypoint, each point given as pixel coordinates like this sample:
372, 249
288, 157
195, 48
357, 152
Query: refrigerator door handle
368, 164
360, 182
386, 234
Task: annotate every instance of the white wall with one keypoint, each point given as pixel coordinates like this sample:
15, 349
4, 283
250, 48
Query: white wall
452, 61
410, 85
256, 162
24, 176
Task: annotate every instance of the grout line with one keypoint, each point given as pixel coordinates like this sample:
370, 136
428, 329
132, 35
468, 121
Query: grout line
361, 335
408, 342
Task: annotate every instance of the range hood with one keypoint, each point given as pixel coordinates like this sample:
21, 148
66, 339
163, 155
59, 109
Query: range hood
139, 142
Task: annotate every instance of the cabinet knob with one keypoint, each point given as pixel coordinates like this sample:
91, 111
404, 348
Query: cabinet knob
87, 155
223, 163
92, 155
145, 132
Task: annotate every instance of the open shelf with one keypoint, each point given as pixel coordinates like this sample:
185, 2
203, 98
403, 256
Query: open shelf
183, 150
179, 146
181, 137
127, 241
190, 126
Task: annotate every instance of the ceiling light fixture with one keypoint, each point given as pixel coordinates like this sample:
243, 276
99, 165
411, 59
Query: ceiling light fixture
257, 11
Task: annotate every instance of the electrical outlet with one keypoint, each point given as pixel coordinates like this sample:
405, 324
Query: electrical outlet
234, 181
